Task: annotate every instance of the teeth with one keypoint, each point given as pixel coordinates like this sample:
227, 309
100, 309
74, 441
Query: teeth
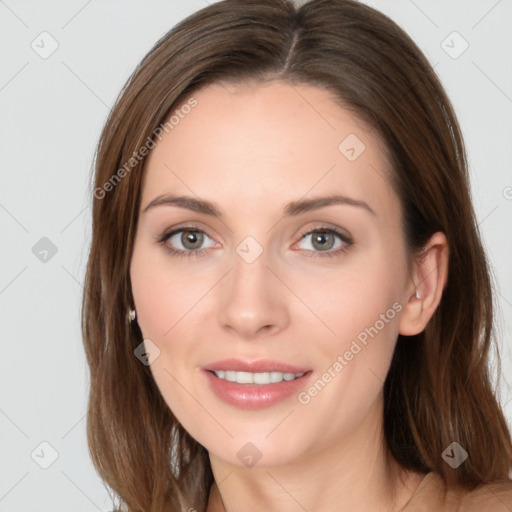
256, 378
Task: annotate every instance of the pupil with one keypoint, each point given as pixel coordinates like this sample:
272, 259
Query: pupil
321, 238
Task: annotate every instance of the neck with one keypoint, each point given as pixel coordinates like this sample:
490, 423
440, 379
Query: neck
355, 474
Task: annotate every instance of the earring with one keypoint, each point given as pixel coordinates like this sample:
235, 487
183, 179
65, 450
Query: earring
132, 315
418, 295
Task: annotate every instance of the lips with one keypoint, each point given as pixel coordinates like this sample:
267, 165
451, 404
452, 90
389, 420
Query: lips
255, 396
259, 366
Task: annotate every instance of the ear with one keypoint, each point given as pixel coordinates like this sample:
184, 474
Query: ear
425, 288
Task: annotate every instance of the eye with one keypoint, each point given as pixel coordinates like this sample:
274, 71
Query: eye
324, 239
190, 238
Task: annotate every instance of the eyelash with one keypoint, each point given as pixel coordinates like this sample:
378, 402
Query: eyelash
348, 242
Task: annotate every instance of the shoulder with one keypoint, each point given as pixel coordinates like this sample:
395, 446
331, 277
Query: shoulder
492, 497
433, 494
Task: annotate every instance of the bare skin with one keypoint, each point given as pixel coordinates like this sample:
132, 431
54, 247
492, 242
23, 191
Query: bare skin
251, 151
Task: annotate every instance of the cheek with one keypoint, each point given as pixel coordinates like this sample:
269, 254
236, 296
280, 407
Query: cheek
162, 295
350, 300
362, 310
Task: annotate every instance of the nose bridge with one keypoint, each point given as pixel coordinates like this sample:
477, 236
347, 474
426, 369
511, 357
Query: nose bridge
251, 298
250, 275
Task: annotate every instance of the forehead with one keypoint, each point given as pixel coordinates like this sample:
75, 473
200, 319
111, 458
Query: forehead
250, 147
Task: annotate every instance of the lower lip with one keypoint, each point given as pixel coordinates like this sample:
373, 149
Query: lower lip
254, 396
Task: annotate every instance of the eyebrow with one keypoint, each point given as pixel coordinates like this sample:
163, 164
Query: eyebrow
291, 209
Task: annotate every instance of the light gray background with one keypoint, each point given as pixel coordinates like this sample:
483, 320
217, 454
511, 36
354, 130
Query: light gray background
52, 111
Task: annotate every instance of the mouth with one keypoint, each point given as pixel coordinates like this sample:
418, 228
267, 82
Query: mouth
258, 378
255, 390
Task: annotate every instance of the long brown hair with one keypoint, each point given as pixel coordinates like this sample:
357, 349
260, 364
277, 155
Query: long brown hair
438, 389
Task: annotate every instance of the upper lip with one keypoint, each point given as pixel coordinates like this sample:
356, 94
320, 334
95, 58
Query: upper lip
259, 366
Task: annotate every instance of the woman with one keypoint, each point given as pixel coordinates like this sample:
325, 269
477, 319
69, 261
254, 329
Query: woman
287, 303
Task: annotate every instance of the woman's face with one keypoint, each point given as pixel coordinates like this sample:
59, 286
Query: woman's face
249, 286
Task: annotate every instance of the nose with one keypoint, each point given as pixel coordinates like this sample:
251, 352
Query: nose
253, 301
